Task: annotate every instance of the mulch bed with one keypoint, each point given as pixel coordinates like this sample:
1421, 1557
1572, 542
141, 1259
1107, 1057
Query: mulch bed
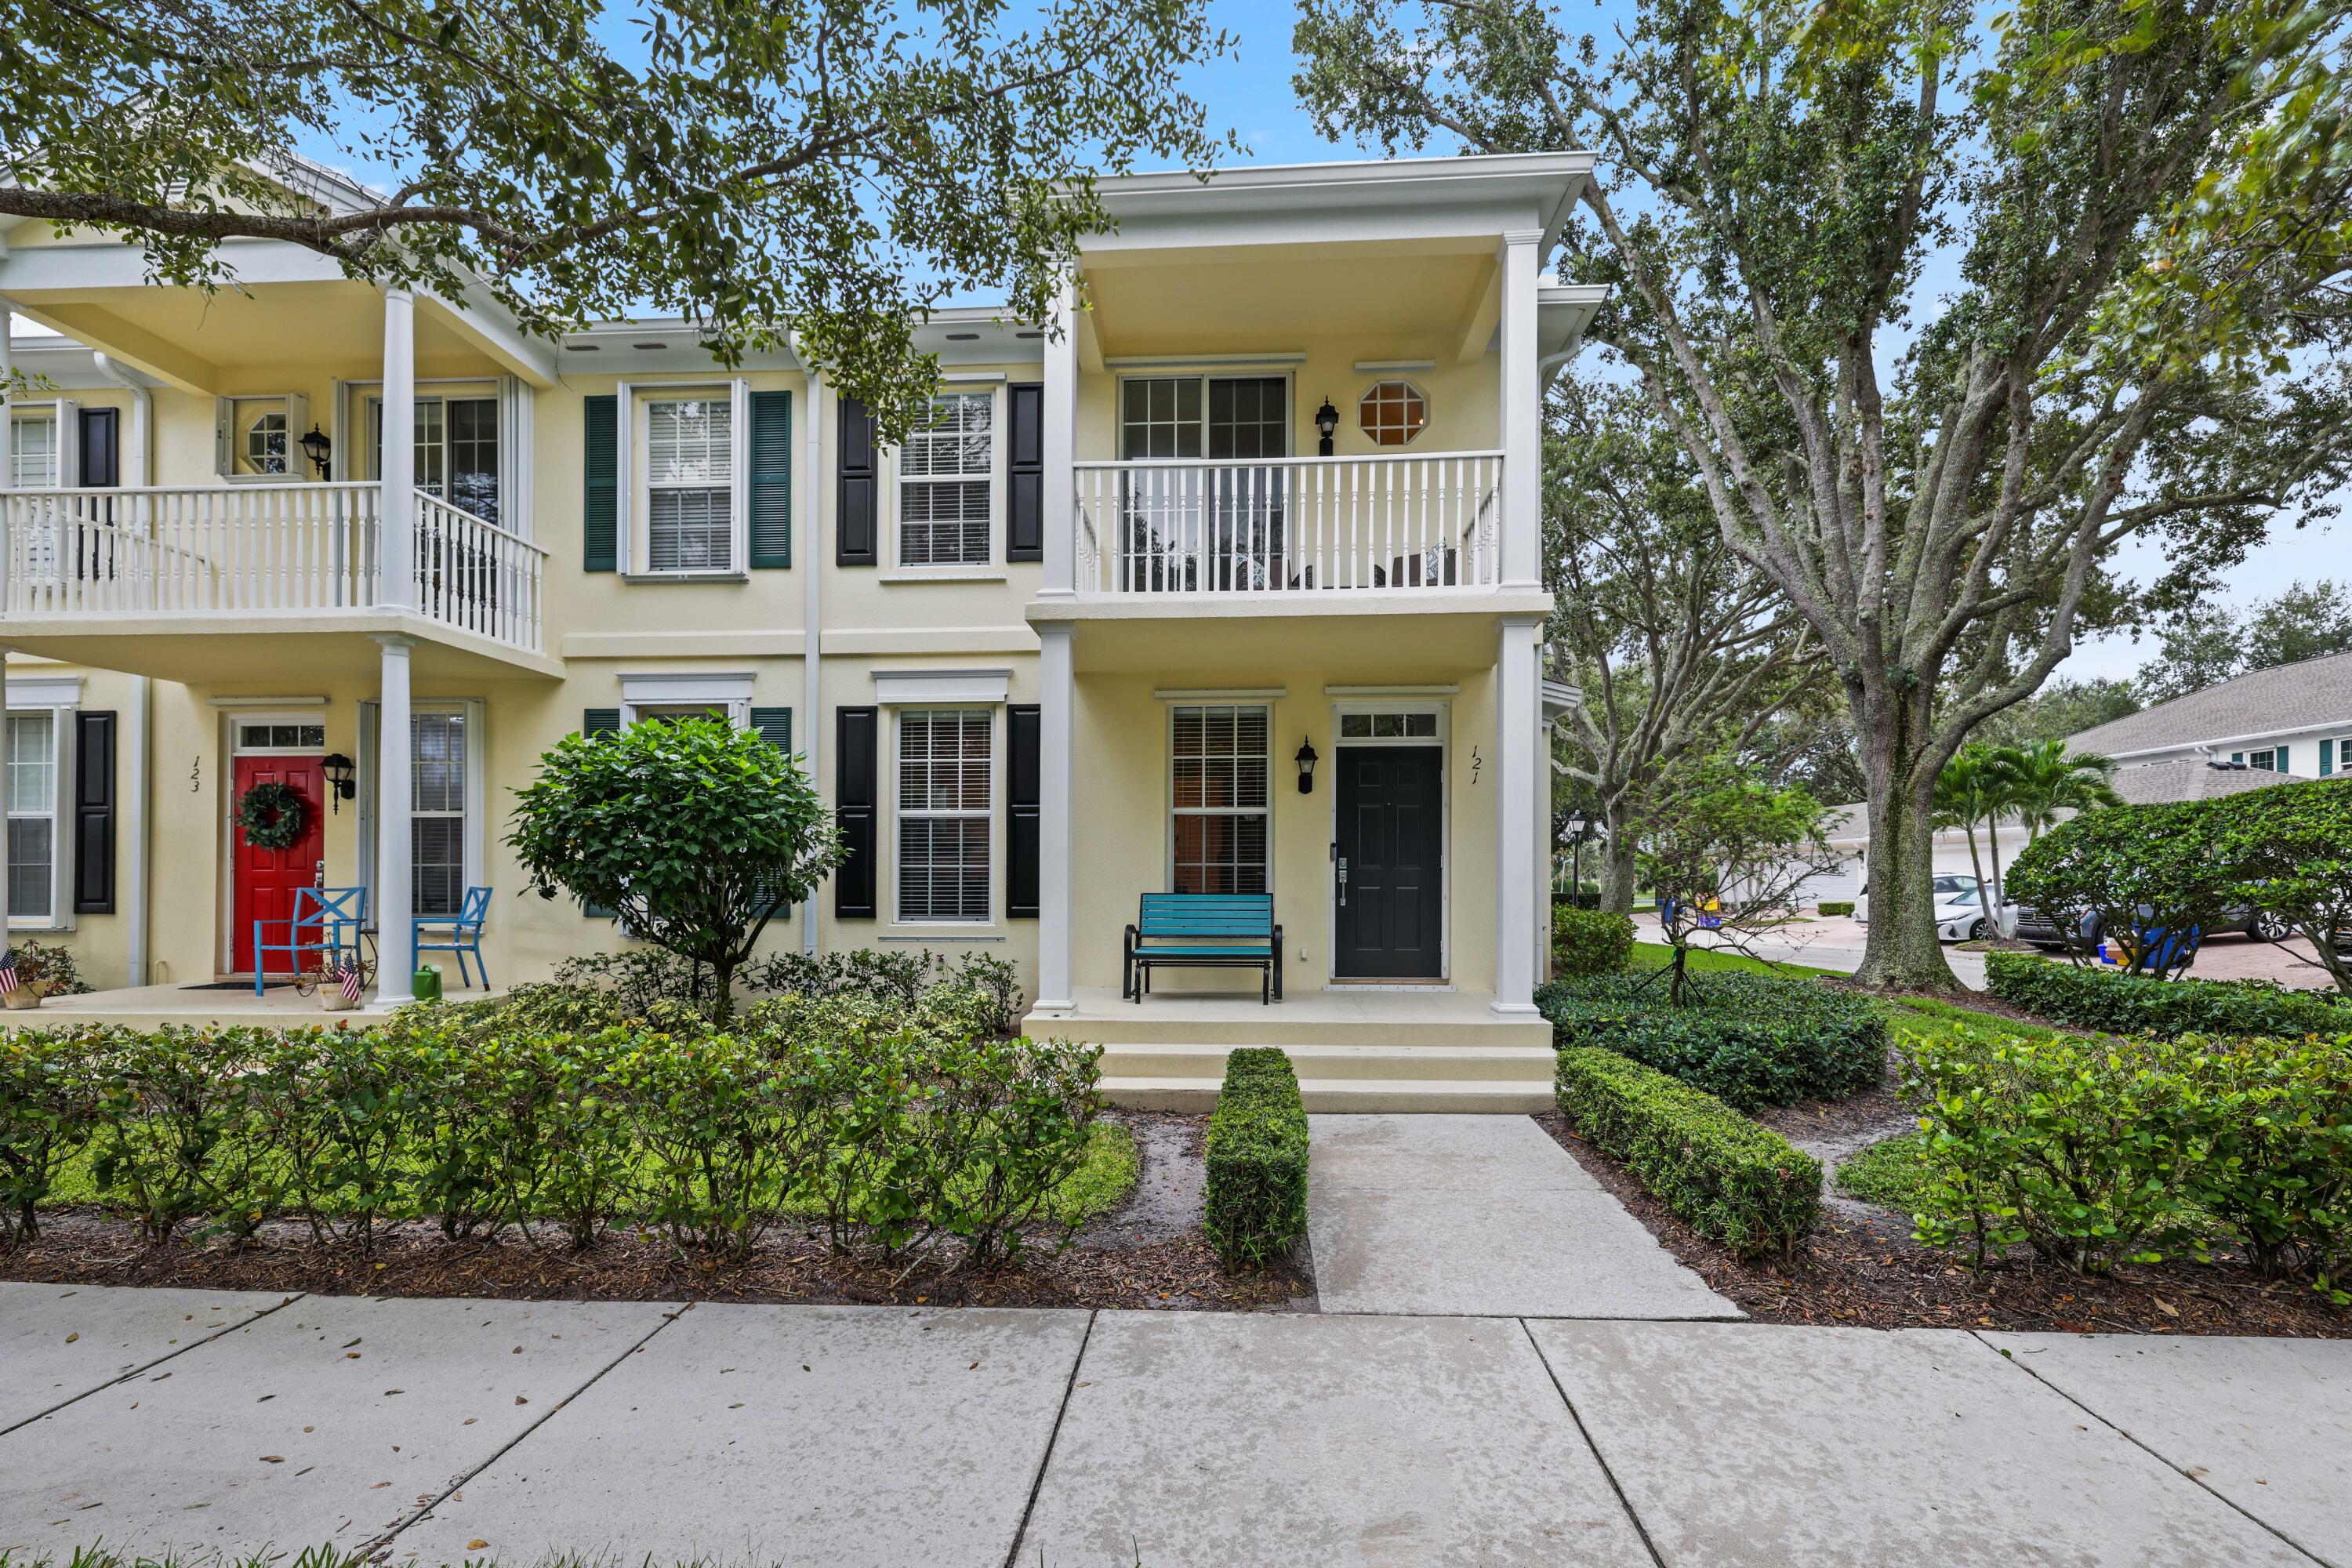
1149, 1253
1861, 1268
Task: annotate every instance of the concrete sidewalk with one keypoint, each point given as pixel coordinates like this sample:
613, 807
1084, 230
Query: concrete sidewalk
442, 1431
1833, 942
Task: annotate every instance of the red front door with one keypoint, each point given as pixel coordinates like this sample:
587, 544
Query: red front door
266, 878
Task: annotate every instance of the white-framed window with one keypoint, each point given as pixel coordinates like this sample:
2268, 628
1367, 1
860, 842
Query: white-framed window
689, 484
1220, 796
947, 484
1411, 725
457, 449
946, 817
2336, 757
436, 804
34, 460
258, 439
33, 836
288, 735
1392, 413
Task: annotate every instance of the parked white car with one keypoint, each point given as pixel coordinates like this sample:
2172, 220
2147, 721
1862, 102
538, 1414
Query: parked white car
1959, 913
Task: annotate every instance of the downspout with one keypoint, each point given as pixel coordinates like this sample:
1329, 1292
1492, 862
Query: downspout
135, 744
812, 633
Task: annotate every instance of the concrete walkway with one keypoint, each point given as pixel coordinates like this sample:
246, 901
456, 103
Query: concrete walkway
1479, 1214
441, 1431
1834, 944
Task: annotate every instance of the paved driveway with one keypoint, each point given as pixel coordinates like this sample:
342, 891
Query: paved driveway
443, 1431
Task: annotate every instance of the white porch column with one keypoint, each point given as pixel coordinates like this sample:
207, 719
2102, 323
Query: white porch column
1522, 411
1517, 754
394, 903
395, 586
1060, 417
7, 423
1055, 819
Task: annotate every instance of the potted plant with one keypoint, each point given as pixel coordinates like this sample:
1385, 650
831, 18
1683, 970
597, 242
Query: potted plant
39, 972
344, 985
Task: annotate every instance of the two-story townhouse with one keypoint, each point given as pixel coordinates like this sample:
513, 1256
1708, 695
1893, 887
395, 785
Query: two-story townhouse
1228, 580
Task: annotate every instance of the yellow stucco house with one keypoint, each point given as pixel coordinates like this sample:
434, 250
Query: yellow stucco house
1271, 494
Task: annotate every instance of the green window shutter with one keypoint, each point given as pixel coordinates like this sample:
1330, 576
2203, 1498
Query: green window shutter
772, 479
775, 727
600, 721
2326, 758
600, 445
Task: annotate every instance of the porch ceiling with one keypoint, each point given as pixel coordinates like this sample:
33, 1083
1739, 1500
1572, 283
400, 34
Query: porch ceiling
1410, 299
271, 649
1408, 639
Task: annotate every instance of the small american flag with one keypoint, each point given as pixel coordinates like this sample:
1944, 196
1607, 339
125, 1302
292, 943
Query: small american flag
348, 979
8, 981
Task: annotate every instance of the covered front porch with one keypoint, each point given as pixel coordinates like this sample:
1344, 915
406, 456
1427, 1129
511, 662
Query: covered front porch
223, 1004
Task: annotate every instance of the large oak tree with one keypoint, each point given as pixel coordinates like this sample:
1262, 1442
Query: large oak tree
814, 171
2016, 287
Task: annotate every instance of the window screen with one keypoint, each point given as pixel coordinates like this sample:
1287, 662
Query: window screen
1221, 776
944, 794
944, 475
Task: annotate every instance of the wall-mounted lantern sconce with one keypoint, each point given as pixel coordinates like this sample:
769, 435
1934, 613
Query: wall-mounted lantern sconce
342, 779
318, 446
1327, 421
1305, 760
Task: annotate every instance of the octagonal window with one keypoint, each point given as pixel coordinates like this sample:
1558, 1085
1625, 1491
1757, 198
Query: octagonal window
1392, 413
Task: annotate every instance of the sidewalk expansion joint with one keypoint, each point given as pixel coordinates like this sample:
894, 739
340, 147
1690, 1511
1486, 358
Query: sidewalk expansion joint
378, 1548
149, 1366
1631, 1515
2197, 1481
1037, 1482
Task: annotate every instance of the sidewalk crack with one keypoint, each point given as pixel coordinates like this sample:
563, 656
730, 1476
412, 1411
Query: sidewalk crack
1037, 1482
248, 1322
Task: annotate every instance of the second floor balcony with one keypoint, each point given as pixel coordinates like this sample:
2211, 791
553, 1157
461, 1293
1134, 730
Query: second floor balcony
242, 557
1289, 525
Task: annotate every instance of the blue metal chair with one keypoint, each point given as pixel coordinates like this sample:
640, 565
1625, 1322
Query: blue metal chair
325, 921
462, 932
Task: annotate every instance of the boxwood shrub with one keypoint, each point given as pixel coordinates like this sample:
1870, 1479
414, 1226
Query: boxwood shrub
1837, 906
1752, 1040
1590, 942
2086, 998
1735, 1182
1256, 1149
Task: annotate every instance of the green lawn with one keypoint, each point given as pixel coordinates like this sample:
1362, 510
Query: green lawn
1100, 1184
1707, 960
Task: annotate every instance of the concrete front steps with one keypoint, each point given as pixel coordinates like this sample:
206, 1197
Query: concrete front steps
1508, 1080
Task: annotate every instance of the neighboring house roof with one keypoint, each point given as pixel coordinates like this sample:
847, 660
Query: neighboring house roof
2306, 695
2190, 778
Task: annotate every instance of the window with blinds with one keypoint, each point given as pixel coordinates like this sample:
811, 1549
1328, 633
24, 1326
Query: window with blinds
944, 484
33, 460
32, 740
945, 756
1222, 778
437, 812
689, 481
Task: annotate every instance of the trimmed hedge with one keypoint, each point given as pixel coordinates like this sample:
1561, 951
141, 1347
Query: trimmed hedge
2086, 998
892, 1125
1256, 1149
2098, 1152
1752, 1040
1837, 907
1735, 1182
1590, 942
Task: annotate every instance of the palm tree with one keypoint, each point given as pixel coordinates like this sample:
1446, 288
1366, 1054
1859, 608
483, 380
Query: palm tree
2045, 779
1974, 787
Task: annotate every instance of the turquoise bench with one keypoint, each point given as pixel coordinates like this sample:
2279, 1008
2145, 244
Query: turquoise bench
1202, 930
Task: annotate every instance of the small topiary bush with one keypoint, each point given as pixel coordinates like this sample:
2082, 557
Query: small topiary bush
2086, 998
1837, 906
1735, 1182
1752, 1040
1256, 1149
1590, 942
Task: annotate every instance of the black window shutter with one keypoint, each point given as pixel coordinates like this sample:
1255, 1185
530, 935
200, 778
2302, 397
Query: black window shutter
101, 451
854, 526
857, 738
1024, 468
775, 727
772, 479
1022, 779
600, 545
94, 814
600, 721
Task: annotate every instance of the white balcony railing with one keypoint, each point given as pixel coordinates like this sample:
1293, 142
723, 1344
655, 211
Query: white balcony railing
1284, 525
219, 550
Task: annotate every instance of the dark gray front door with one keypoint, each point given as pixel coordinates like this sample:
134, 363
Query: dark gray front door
1388, 875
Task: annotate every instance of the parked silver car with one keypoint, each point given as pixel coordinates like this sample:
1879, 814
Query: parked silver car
1959, 912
